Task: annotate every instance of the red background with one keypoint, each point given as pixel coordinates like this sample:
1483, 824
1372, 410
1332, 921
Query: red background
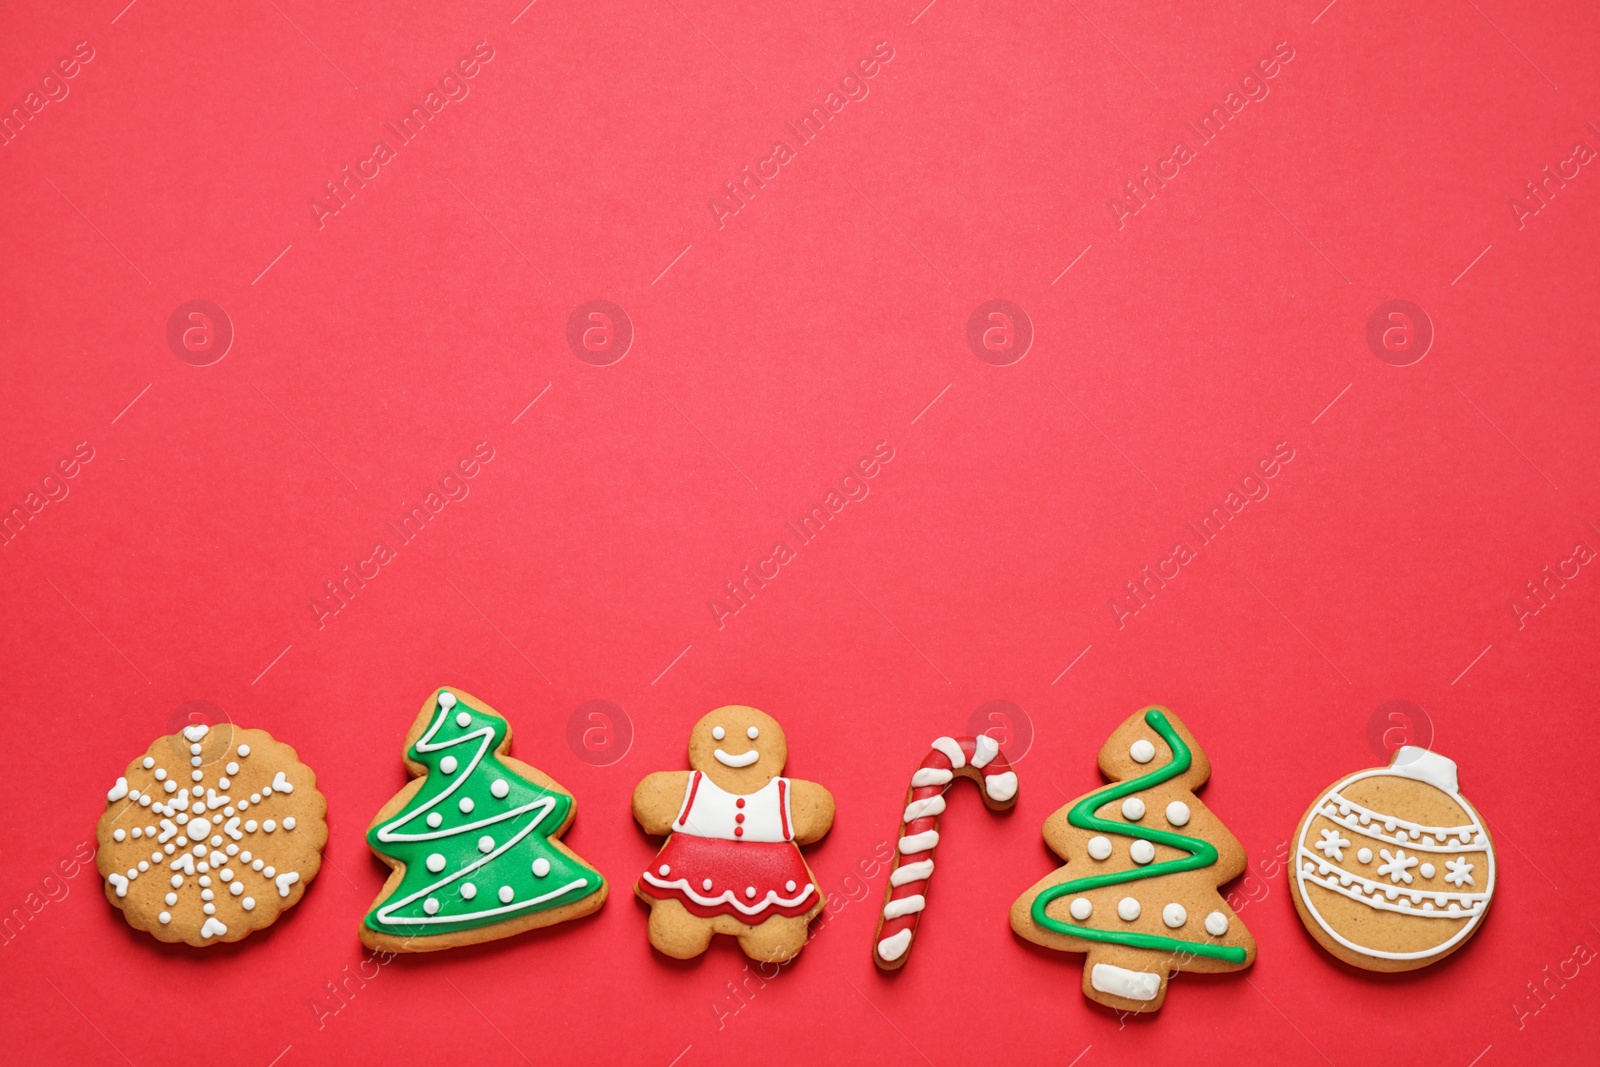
770, 355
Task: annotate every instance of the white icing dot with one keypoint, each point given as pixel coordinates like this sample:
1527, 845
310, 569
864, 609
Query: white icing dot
171, 898
500, 788
255, 865
206, 894
177, 880
288, 823
169, 785
268, 871
195, 761
250, 826
244, 750
752, 733
244, 857
1127, 909
147, 763
485, 843
133, 872
224, 783
197, 775
232, 768
266, 790
161, 772
706, 885
431, 906
255, 798
436, 863
202, 866
248, 903
506, 894
1133, 808
1216, 924
541, 867
463, 720
1427, 870
165, 917
1142, 852
466, 805
468, 890
664, 870
1100, 848
750, 892
197, 790
1081, 908
448, 765
243, 804
194, 750
447, 700
1142, 751
1174, 915
216, 842
1365, 855
269, 826
1178, 813
435, 819
119, 833
718, 733
167, 848
236, 888
226, 874
788, 886
232, 849
144, 865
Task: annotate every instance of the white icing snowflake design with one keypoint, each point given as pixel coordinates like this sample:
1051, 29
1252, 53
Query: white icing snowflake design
194, 841
1332, 845
1397, 867
1460, 871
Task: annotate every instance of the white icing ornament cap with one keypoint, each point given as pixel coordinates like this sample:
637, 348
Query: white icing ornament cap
1425, 766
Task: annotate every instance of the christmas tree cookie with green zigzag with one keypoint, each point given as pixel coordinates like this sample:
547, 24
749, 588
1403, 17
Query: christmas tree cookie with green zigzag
473, 840
1145, 859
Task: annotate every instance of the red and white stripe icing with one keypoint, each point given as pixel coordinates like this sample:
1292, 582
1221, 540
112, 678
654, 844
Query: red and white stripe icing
919, 831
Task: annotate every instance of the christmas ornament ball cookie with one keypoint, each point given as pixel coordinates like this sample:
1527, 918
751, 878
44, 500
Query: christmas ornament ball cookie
1394, 869
211, 835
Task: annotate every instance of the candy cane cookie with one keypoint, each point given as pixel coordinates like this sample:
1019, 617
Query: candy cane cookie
976, 758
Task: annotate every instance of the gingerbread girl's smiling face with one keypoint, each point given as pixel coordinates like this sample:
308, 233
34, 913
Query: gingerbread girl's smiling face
739, 748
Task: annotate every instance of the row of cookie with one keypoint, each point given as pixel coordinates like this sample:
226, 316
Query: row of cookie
214, 832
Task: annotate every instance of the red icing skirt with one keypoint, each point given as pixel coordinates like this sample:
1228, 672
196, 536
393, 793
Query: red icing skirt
749, 880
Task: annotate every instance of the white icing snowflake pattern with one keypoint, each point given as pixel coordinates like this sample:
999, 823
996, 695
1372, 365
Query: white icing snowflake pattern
194, 840
1332, 845
1397, 867
1460, 871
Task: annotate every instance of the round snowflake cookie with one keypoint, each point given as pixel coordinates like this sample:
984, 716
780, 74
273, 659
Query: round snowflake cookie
1394, 870
211, 835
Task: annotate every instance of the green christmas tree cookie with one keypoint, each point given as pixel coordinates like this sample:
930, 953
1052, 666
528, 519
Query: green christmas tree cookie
474, 840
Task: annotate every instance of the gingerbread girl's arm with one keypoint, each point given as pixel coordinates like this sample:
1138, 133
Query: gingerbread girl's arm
657, 799
811, 809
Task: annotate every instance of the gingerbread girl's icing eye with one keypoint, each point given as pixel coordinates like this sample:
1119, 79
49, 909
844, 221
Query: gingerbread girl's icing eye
752, 733
718, 733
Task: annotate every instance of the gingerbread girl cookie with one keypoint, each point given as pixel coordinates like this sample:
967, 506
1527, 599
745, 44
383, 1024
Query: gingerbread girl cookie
1145, 859
732, 864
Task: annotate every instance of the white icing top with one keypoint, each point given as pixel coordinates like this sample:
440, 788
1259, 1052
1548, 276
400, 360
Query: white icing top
710, 811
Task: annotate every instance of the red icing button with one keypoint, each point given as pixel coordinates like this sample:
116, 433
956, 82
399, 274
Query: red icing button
738, 831
739, 817
739, 803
